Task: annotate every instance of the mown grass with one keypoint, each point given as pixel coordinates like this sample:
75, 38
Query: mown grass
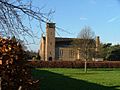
76, 79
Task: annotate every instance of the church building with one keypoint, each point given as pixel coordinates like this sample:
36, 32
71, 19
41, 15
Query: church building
57, 48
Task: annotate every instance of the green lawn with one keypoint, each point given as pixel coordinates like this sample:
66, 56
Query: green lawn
76, 79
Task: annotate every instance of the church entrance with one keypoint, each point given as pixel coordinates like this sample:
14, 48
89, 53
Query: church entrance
50, 59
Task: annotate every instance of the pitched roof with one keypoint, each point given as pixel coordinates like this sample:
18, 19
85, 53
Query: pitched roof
59, 39
61, 42
65, 42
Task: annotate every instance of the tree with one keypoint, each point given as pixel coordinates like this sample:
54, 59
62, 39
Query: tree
13, 13
14, 72
108, 51
104, 49
113, 53
31, 54
86, 44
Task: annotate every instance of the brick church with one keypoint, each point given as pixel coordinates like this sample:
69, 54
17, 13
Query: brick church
57, 48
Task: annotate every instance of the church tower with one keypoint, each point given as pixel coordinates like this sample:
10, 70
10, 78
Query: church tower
97, 43
50, 42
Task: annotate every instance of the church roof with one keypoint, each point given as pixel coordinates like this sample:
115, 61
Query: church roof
62, 42
59, 39
65, 42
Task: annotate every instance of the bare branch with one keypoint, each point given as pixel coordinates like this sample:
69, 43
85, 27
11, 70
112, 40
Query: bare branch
11, 17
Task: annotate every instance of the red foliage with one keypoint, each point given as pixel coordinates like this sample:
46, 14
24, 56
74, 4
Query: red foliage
74, 64
14, 72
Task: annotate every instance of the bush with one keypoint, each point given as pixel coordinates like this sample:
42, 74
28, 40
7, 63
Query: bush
74, 64
14, 72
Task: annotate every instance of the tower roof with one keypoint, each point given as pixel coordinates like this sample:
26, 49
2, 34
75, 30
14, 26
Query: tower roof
50, 25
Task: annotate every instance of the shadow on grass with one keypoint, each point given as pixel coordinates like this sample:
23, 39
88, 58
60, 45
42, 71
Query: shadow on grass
54, 81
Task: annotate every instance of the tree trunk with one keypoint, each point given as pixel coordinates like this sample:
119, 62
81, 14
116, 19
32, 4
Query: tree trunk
85, 67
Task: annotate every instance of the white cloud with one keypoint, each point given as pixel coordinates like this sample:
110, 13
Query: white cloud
112, 19
83, 18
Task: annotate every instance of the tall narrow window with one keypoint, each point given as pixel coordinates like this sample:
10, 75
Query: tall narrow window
61, 53
50, 53
71, 53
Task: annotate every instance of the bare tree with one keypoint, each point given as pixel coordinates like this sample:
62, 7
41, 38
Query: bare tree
16, 17
15, 20
86, 44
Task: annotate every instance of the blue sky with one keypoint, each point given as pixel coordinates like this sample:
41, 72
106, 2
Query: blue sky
103, 16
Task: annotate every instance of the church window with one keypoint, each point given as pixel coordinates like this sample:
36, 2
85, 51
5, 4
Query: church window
50, 53
61, 53
71, 53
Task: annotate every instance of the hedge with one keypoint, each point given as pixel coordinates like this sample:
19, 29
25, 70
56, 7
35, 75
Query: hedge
74, 64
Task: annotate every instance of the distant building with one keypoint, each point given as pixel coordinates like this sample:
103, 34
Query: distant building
56, 48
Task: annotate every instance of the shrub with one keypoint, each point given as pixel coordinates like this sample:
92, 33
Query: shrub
14, 72
74, 64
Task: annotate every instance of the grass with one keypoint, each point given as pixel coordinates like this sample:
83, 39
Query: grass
76, 79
